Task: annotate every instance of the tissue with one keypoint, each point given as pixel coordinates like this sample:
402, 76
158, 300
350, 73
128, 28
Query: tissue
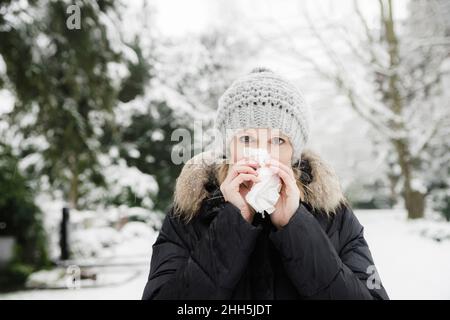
264, 194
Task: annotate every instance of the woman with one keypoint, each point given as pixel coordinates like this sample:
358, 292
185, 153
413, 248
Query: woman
213, 245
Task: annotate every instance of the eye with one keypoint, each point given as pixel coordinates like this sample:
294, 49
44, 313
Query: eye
278, 140
246, 139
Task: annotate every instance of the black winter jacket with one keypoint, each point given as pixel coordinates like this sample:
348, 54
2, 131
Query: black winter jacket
319, 254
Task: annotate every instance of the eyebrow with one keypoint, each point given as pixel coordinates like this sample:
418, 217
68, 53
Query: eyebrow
246, 131
272, 135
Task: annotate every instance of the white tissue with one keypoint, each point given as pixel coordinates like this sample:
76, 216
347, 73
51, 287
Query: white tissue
264, 194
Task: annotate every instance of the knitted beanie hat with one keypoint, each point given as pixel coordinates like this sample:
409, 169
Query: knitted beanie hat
263, 99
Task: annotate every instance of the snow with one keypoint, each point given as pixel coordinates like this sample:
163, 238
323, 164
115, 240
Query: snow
412, 257
132, 289
96, 233
2, 67
120, 268
419, 185
136, 229
157, 135
91, 242
134, 153
410, 263
6, 97
120, 176
123, 277
117, 72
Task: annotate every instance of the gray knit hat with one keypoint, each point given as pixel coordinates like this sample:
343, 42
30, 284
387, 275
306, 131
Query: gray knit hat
263, 99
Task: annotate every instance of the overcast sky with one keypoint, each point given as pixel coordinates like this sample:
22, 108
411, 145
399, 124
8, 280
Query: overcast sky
177, 17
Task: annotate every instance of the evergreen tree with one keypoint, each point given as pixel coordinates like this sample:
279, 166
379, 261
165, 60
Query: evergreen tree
62, 78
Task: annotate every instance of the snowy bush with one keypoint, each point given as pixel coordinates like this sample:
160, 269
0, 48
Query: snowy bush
93, 241
136, 229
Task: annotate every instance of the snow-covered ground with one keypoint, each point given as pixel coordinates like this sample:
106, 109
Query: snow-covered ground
411, 264
118, 277
131, 290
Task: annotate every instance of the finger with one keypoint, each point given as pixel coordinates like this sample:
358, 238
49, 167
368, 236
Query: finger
247, 161
242, 162
287, 179
243, 169
241, 178
234, 169
281, 165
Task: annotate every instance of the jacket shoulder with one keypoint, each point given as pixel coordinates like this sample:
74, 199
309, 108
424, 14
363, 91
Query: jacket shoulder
175, 228
342, 225
348, 225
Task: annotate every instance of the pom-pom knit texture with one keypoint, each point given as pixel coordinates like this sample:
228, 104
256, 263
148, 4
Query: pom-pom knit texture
263, 99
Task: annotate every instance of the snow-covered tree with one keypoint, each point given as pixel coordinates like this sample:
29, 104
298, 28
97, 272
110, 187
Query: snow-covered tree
185, 79
66, 81
394, 74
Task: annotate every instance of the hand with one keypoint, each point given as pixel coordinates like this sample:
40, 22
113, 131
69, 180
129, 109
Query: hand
289, 200
234, 188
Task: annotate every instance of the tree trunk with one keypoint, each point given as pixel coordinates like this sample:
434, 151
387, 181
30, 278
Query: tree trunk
415, 204
73, 191
414, 200
393, 196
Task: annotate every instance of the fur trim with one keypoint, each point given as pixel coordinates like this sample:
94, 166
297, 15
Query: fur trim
322, 193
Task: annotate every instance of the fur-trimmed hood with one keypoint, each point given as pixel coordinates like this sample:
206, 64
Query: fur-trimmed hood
322, 187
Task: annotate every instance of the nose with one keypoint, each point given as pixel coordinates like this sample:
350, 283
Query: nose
262, 141
264, 145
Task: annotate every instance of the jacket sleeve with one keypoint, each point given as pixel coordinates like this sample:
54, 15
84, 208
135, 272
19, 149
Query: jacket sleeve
317, 270
208, 269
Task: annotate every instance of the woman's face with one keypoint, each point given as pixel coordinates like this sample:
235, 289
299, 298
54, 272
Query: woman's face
277, 144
